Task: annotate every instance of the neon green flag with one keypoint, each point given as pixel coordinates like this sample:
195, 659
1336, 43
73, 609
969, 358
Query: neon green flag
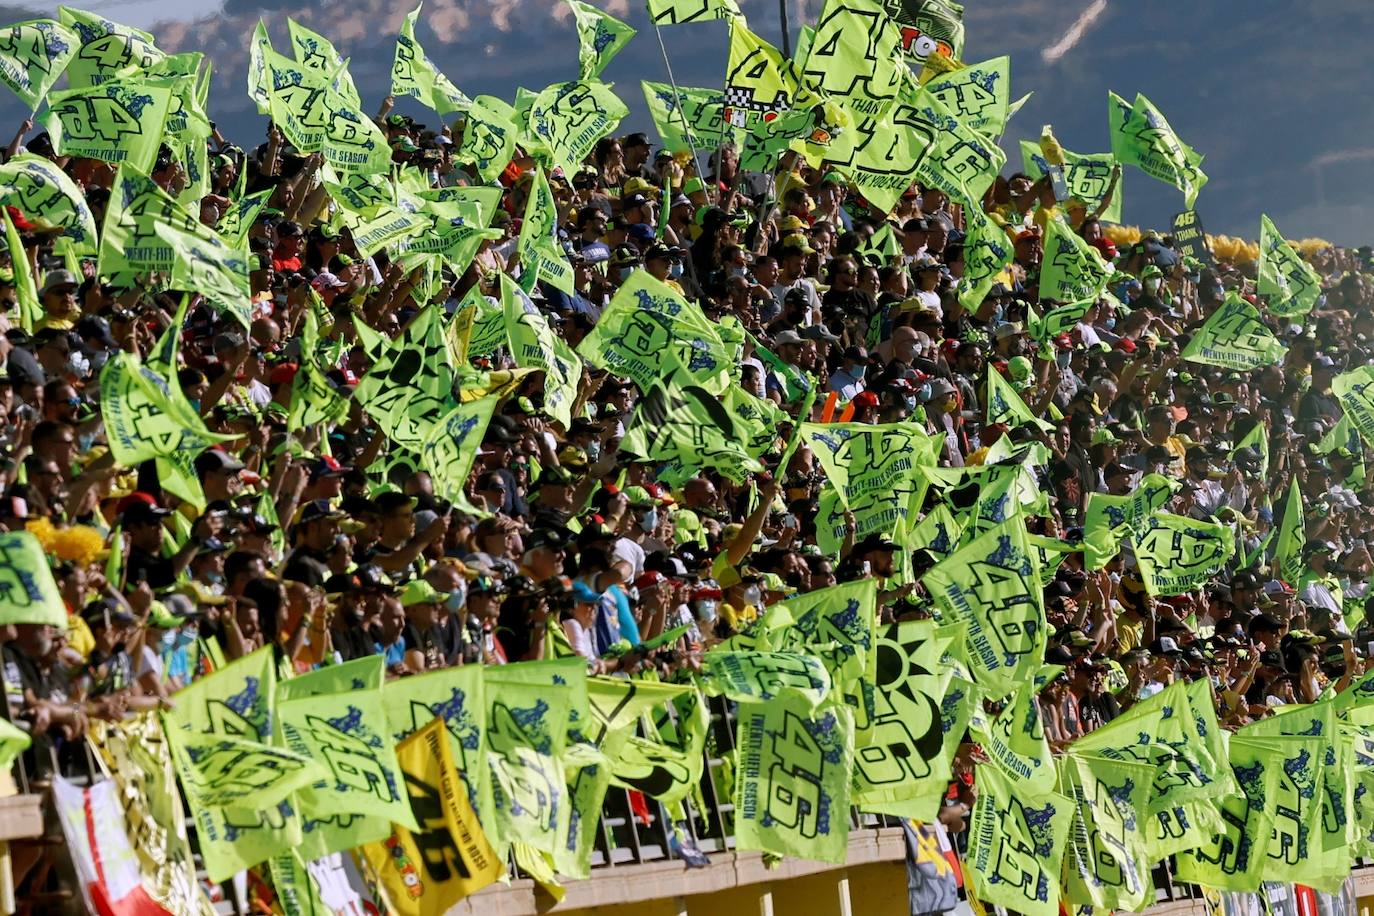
488, 332
409, 388
42, 191
315, 52
108, 50
1292, 538
855, 56
1290, 284
569, 118
668, 764
1003, 491
675, 12
1111, 519
1106, 864
873, 471
235, 222
900, 757
882, 155
764, 677
25, 291
448, 452
1015, 739
978, 94
600, 37
938, 532
687, 118
1235, 859
120, 121
488, 137
1146, 140
758, 85
220, 771
33, 57
793, 785
415, 75
1235, 337
1295, 844
236, 702
1087, 175
962, 162
352, 142
1016, 845
453, 230
527, 731
757, 419
1177, 554
145, 229
1178, 739
541, 257
1004, 405
1072, 269
534, 345
1332, 830
335, 715
144, 418
862, 458
259, 81
686, 426
1362, 743
296, 97
210, 267
313, 399
987, 252
649, 331
1353, 390
30, 594
992, 585
1061, 320
803, 127
884, 246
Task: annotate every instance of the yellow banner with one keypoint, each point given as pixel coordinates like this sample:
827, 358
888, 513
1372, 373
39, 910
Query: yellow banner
425, 873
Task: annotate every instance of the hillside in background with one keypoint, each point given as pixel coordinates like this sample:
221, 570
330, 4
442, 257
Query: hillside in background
1271, 92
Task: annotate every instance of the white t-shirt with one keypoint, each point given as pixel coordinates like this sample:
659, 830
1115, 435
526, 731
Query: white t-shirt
630, 553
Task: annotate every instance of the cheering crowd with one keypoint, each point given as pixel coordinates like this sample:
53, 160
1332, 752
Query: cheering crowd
328, 545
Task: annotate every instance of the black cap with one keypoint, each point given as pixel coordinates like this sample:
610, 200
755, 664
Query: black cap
875, 541
93, 327
553, 538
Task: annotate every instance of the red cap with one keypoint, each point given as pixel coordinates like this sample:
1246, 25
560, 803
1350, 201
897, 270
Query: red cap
866, 399
649, 580
282, 374
16, 217
138, 496
1064, 342
1106, 246
1126, 345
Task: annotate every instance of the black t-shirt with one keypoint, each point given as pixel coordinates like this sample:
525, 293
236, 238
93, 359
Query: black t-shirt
424, 641
306, 565
449, 636
147, 567
350, 640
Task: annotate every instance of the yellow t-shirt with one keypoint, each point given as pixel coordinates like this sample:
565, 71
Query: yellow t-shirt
738, 619
1128, 635
79, 636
